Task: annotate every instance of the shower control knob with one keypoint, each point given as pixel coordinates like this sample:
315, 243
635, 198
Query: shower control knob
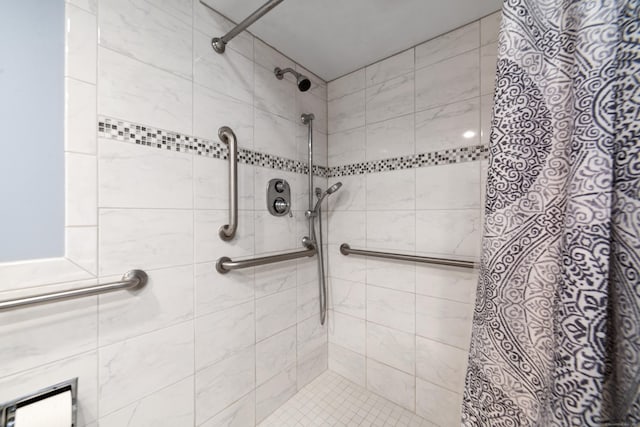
280, 187
280, 205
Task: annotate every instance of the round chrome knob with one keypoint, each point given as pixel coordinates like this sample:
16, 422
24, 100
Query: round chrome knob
279, 186
280, 205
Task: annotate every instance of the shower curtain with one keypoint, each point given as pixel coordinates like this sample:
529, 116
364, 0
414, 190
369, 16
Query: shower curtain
556, 328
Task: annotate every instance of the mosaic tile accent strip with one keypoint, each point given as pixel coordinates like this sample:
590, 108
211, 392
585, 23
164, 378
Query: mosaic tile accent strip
435, 158
140, 134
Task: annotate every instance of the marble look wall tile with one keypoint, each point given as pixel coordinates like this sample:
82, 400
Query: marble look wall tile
133, 176
453, 186
168, 407
347, 226
307, 289
437, 405
392, 274
241, 413
449, 232
208, 244
449, 81
273, 95
311, 365
346, 267
167, 299
391, 308
145, 239
451, 283
215, 291
219, 385
55, 331
211, 184
391, 347
445, 321
209, 22
352, 194
230, 74
391, 230
273, 233
80, 189
311, 336
138, 29
90, 6
350, 365
270, 58
397, 386
273, 393
181, 9
275, 354
80, 116
391, 138
347, 297
348, 332
394, 66
128, 370
347, 84
486, 112
80, 44
275, 313
274, 278
448, 126
347, 147
392, 191
221, 334
489, 27
275, 135
447, 45
488, 68
82, 247
320, 145
212, 110
83, 366
441, 364
390, 99
142, 93
347, 112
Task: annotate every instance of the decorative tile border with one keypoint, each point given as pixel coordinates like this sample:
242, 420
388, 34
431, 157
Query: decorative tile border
134, 133
435, 158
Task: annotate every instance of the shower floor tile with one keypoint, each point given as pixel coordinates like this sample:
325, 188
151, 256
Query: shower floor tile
332, 400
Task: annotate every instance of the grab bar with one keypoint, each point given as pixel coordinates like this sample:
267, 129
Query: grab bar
228, 231
132, 280
345, 249
225, 264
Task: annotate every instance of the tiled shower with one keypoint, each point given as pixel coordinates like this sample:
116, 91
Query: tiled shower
146, 187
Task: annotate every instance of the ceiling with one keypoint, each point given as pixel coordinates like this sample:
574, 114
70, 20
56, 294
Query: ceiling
334, 37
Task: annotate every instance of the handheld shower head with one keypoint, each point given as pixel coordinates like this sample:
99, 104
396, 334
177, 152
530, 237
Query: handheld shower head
304, 84
335, 187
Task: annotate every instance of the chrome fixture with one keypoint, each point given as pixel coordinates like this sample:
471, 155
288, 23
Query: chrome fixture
225, 264
132, 280
228, 231
304, 84
219, 43
314, 215
8, 410
279, 197
345, 249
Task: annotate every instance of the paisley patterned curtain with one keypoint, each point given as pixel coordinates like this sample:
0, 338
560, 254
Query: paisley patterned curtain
556, 334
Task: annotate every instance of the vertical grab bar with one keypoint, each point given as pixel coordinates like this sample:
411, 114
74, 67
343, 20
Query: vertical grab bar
228, 231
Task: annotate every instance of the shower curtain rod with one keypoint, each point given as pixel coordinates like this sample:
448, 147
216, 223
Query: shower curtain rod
219, 43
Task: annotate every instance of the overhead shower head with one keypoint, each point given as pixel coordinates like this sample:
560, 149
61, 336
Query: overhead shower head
304, 84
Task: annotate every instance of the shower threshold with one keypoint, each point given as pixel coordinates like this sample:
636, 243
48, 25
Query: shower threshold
332, 400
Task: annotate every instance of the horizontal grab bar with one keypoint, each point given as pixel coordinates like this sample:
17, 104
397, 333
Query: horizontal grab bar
225, 264
345, 249
132, 280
